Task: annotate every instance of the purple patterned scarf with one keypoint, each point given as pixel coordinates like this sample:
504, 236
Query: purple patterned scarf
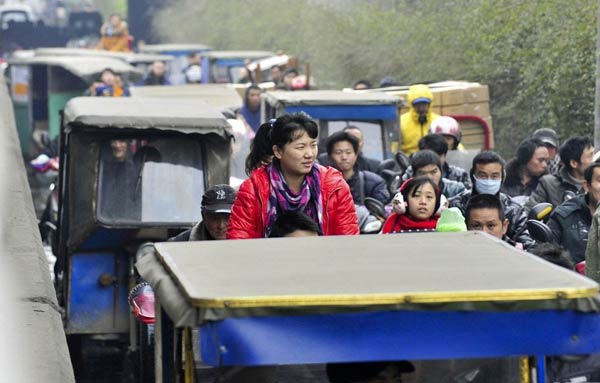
283, 199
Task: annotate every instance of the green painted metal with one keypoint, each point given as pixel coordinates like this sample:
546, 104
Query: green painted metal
23, 125
57, 102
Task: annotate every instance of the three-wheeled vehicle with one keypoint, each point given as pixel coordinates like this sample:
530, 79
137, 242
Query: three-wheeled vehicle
219, 96
225, 66
376, 114
181, 53
131, 170
42, 85
141, 61
423, 297
223, 97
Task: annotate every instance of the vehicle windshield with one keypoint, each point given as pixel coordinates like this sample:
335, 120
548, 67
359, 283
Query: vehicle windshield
372, 133
150, 181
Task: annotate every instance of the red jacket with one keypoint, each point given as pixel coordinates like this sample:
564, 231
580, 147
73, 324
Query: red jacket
249, 212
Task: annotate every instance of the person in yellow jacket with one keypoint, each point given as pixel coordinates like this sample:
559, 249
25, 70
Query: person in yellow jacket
414, 124
114, 35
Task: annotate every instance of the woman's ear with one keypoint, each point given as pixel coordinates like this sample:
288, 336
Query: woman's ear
277, 152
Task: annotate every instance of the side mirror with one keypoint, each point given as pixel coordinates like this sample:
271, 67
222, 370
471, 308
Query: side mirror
539, 231
402, 160
392, 179
375, 207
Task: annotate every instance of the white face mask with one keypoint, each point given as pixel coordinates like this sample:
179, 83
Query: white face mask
486, 186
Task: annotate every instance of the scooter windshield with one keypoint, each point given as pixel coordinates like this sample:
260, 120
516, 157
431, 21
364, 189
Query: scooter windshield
372, 135
150, 181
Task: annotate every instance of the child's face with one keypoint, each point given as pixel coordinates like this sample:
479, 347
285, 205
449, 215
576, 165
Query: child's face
421, 202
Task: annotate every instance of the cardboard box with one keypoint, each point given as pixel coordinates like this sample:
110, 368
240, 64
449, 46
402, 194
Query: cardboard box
479, 109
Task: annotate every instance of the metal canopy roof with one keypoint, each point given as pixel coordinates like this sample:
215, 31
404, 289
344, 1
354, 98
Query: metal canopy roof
86, 67
469, 270
184, 115
217, 95
328, 97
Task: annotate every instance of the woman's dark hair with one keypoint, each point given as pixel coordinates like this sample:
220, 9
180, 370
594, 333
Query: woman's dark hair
554, 254
339, 137
290, 221
413, 185
278, 132
526, 150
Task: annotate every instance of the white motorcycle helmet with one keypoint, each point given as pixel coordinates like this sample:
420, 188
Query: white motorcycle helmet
446, 126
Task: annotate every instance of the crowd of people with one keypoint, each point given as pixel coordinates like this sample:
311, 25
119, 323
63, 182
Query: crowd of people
286, 174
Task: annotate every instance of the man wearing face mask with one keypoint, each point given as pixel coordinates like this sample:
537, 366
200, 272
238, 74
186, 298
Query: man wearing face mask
487, 174
414, 124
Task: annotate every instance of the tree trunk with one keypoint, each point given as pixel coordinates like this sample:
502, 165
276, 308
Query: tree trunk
597, 98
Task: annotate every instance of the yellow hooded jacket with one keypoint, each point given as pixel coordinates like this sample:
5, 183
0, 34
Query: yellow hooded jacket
411, 130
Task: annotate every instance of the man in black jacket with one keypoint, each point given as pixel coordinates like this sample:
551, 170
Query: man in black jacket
362, 162
570, 222
487, 175
342, 152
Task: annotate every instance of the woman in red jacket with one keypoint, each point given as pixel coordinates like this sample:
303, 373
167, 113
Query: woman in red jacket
291, 182
417, 207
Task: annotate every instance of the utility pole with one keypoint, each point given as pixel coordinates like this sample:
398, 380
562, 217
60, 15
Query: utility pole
597, 95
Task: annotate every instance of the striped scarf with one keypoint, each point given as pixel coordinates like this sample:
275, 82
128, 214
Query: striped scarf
283, 199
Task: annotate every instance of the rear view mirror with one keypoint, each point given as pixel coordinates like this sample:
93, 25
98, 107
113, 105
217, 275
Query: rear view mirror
539, 231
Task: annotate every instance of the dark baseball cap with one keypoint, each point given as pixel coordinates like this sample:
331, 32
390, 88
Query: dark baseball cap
547, 136
218, 199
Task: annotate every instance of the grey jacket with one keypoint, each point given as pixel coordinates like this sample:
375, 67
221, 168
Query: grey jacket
551, 188
592, 252
198, 232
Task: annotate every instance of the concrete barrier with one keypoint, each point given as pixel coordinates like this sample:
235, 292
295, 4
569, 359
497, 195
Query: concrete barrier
34, 346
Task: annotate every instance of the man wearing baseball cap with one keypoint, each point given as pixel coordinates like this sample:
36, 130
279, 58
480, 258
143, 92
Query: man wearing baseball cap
216, 209
414, 124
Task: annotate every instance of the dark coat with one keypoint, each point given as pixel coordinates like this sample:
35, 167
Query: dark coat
198, 232
362, 163
570, 224
454, 173
552, 189
451, 188
373, 186
513, 186
366, 163
517, 227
